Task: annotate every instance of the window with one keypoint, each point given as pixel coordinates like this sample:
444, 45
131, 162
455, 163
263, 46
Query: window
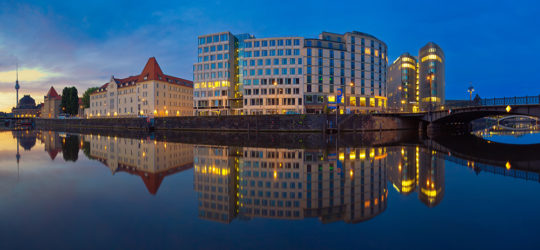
272, 43
224, 37
257, 44
280, 42
296, 42
264, 43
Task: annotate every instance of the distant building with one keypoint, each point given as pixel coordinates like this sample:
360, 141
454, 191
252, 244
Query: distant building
431, 76
51, 104
241, 74
150, 93
417, 83
403, 90
26, 107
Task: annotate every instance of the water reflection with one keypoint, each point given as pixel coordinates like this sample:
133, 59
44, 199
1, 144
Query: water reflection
332, 183
347, 184
149, 159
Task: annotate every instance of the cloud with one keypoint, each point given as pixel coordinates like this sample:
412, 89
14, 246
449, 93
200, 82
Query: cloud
53, 53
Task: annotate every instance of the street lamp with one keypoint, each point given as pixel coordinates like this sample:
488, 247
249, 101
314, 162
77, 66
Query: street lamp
276, 100
345, 97
470, 90
430, 77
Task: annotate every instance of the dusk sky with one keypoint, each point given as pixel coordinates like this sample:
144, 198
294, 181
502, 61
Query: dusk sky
493, 44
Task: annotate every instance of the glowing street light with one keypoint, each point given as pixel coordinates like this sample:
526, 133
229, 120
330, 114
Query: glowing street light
470, 90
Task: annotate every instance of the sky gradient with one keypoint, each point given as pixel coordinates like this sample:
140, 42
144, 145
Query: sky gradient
491, 44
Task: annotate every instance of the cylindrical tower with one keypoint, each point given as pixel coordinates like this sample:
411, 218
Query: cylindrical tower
431, 76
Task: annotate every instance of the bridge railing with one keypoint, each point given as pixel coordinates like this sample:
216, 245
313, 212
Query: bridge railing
521, 100
503, 101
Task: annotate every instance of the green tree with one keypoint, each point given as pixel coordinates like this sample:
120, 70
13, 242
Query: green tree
70, 101
86, 96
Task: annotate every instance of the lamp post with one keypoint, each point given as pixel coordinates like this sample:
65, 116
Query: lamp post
345, 96
276, 100
470, 90
430, 77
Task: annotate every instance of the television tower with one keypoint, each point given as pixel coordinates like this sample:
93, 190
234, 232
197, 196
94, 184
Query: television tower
17, 87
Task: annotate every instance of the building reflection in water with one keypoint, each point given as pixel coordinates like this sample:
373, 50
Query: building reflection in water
151, 160
417, 169
332, 184
52, 143
348, 184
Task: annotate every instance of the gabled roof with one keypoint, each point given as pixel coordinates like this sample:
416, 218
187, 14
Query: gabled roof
53, 153
53, 94
151, 71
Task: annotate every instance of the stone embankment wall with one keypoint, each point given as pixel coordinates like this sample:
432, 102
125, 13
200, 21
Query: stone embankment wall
255, 123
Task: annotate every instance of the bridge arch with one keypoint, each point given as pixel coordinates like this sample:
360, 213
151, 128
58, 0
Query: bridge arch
468, 114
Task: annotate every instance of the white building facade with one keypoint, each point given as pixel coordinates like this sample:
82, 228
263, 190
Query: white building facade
241, 74
151, 93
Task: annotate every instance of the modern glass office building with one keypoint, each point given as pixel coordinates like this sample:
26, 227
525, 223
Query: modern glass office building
403, 89
431, 76
241, 74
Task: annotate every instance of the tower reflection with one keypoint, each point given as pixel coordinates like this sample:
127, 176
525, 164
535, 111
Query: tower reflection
417, 169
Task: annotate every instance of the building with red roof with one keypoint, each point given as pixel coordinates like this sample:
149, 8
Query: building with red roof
151, 93
151, 160
51, 104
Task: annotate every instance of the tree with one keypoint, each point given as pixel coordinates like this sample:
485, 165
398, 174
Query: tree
70, 101
86, 96
70, 148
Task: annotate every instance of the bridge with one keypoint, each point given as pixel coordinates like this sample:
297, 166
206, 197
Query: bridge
17, 122
525, 106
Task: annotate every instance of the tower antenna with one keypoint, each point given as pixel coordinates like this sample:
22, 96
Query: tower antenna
17, 86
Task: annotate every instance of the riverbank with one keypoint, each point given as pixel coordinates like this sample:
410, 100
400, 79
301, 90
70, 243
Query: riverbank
249, 123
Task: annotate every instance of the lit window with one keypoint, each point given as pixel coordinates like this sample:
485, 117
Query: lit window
431, 57
368, 51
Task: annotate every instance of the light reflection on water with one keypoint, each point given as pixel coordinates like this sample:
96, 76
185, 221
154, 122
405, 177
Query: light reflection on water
192, 195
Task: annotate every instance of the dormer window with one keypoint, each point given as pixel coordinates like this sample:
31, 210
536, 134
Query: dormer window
145, 77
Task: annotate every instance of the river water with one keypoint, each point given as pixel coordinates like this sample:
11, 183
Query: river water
168, 191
